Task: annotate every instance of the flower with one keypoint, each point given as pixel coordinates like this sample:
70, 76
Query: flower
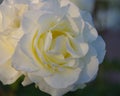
10, 33
87, 5
60, 50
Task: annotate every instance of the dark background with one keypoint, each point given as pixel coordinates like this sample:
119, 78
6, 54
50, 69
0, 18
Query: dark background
106, 15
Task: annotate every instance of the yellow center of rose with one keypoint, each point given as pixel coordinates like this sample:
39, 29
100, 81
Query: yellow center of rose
56, 48
50, 49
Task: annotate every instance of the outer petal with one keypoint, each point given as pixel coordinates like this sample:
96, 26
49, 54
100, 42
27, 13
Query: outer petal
90, 34
78, 24
28, 22
86, 16
73, 10
6, 49
8, 74
48, 89
63, 80
7, 12
8, 44
50, 5
90, 69
99, 45
21, 62
26, 81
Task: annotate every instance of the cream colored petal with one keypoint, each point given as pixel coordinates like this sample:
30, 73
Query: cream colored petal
90, 71
23, 63
77, 48
72, 49
8, 74
91, 67
63, 79
73, 25
26, 44
80, 23
6, 49
83, 48
47, 21
8, 44
50, 5
64, 25
48, 41
29, 25
72, 52
73, 9
90, 33
39, 81
8, 13
26, 81
59, 46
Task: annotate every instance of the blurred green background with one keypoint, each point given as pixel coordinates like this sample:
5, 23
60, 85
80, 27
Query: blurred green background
106, 14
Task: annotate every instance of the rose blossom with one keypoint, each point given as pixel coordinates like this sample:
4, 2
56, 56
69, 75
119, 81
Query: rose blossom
60, 50
10, 33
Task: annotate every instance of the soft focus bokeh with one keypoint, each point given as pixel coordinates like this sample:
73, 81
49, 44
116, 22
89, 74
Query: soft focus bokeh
106, 16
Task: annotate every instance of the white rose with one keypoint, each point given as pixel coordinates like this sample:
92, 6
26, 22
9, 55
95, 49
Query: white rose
10, 33
85, 4
60, 50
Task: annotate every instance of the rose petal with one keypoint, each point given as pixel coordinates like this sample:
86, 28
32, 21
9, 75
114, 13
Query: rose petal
73, 10
8, 75
48, 41
63, 80
26, 81
86, 16
90, 34
91, 67
77, 49
21, 62
99, 45
46, 88
6, 49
